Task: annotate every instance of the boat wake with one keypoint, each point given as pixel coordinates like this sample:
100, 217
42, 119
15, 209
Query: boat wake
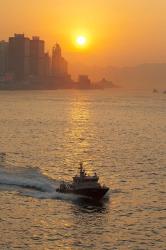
31, 182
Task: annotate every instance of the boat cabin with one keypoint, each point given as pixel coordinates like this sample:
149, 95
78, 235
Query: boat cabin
83, 177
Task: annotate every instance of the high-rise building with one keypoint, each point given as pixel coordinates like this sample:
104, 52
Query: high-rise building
3, 57
59, 64
19, 56
37, 56
46, 64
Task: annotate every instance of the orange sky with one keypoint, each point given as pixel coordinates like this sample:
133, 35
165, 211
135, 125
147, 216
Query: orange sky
120, 32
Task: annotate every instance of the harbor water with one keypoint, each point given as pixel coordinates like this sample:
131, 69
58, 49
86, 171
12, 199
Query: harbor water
118, 134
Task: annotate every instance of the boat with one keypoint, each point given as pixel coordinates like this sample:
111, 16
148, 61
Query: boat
84, 185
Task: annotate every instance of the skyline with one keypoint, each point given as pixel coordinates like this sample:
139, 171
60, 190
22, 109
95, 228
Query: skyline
119, 33
24, 64
40, 63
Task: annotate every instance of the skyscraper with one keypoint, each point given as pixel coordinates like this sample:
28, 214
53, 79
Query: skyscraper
59, 64
46, 65
37, 56
19, 56
3, 57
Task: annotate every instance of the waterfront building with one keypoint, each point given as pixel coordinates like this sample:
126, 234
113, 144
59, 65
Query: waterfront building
19, 56
59, 64
59, 70
3, 57
104, 83
46, 65
84, 82
37, 56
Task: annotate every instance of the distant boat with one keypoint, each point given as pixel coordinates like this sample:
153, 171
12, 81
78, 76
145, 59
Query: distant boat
84, 185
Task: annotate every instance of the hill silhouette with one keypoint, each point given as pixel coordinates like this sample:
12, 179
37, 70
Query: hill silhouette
143, 76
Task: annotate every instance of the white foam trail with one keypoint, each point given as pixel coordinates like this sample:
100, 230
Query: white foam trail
29, 178
51, 195
31, 182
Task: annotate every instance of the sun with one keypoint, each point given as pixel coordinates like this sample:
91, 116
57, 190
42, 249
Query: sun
81, 41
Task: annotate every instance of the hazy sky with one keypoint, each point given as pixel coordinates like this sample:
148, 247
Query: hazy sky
120, 32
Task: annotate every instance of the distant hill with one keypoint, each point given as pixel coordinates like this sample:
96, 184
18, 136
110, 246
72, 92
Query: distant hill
143, 76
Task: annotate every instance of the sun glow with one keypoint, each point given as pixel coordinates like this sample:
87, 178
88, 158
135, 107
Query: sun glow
81, 41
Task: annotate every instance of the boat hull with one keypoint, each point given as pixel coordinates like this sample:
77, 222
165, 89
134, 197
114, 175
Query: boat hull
94, 193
